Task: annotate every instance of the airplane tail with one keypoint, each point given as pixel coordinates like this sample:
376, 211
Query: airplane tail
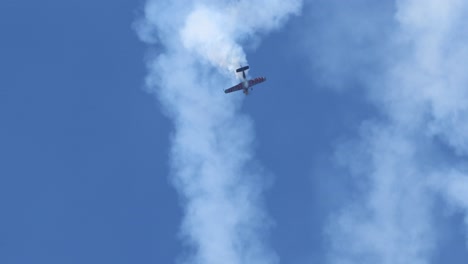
242, 69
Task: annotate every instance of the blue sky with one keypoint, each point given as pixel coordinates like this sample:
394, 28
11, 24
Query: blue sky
116, 150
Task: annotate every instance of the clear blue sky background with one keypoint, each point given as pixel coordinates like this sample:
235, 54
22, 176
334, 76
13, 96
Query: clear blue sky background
84, 149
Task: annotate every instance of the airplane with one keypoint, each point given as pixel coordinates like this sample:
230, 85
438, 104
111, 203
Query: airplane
245, 85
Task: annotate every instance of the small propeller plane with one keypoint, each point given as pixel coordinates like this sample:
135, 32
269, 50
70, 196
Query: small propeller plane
245, 85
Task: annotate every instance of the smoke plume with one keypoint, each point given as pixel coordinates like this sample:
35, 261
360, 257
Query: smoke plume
211, 144
416, 151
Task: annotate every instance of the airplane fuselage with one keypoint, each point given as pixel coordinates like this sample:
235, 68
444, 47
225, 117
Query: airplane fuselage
245, 83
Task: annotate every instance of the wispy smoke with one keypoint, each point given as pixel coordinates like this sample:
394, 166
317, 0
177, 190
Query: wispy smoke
417, 149
211, 153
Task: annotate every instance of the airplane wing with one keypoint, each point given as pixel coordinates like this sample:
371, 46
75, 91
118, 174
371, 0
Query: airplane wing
234, 88
256, 81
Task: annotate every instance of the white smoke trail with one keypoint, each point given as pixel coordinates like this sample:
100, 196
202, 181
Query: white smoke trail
423, 96
211, 152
